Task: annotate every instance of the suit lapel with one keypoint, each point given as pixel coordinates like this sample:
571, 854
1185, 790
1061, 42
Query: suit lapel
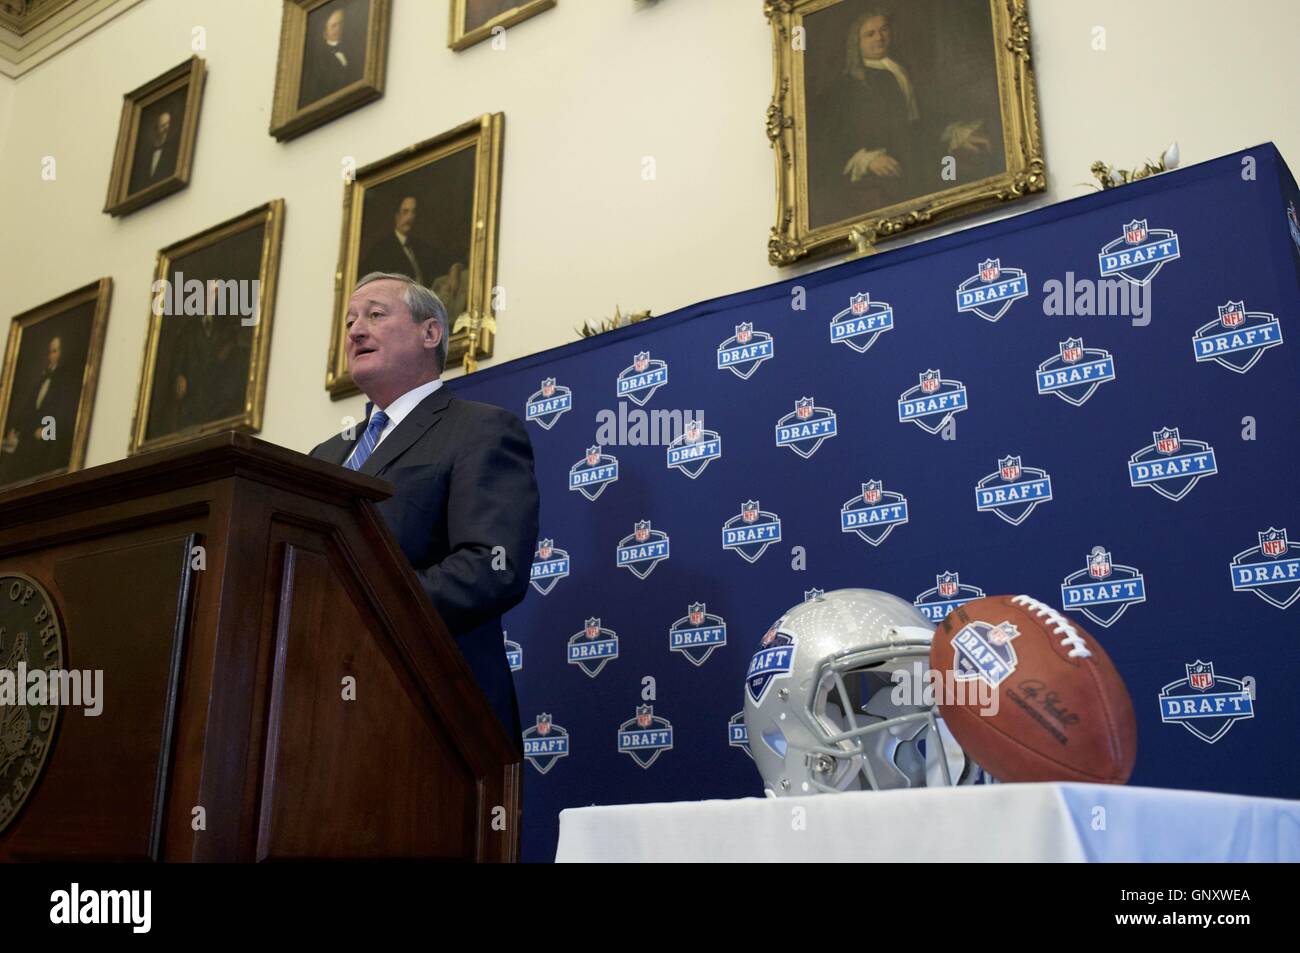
422, 418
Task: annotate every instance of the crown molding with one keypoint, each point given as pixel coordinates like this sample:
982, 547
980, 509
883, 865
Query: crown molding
33, 31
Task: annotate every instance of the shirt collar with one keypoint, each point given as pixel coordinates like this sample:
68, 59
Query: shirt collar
399, 408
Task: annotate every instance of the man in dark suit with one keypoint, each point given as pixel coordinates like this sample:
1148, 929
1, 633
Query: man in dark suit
27, 452
883, 132
329, 63
155, 153
210, 368
400, 252
465, 509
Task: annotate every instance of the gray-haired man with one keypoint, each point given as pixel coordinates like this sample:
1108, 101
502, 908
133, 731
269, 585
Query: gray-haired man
463, 472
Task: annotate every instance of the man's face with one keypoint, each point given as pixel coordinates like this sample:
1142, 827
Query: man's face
163, 128
52, 356
334, 27
405, 215
873, 38
386, 350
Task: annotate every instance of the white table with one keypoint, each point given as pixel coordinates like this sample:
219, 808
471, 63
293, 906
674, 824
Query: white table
998, 822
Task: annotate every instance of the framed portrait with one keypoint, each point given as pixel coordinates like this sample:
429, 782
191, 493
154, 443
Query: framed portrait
333, 56
47, 392
155, 139
429, 212
473, 21
889, 116
210, 313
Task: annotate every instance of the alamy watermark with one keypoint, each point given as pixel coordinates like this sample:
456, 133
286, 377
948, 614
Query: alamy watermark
645, 428
39, 687
920, 686
1087, 297
215, 297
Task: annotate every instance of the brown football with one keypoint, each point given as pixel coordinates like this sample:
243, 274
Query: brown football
1030, 695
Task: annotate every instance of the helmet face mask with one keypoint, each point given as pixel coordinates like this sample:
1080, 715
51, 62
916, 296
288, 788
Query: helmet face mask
839, 718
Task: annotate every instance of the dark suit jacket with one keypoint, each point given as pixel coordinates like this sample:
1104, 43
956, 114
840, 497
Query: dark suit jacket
215, 365
465, 484
322, 72
386, 255
140, 177
35, 456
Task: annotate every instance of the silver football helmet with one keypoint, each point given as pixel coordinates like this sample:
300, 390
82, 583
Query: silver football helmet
832, 700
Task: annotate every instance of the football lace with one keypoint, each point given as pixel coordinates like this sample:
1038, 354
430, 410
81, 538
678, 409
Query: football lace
1060, 625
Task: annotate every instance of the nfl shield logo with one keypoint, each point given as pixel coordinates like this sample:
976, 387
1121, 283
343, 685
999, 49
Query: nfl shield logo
593, 456
744, 332
1072, 350
1167, 441
1003, 633
768, 637
859, 304
644, 716
1010, 467
696, 613
1099, 566
642, 531
1135, 232
543, 724
1200, 675
1273, 542
544, 548
871, 491
930, 382
749, 511
1232, 314
593, 628
947, 584
990, 269
803, 408
548, 388
692, 431
641, 361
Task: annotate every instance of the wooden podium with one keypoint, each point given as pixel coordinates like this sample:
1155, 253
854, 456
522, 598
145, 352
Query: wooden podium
276, 684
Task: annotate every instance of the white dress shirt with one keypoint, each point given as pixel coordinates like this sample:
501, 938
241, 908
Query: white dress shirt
410, 256
399, 408
338, 54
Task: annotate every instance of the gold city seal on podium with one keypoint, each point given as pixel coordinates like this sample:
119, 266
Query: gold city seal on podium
31, 658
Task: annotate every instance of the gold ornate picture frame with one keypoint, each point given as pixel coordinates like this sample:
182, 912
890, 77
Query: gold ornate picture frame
155, 138
47, 391
431, 212
333, 59
473, 21
211, 309
883, 150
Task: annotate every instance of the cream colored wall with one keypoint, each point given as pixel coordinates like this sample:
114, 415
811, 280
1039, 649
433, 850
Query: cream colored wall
588, 89
7, 94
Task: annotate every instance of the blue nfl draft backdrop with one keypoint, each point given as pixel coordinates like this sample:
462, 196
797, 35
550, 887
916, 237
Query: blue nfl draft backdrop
941, 421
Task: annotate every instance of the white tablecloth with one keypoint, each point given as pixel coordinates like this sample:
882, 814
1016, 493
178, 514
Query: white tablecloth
999, 822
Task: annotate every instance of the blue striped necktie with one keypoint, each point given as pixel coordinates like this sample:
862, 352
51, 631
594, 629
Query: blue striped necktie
369, 440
